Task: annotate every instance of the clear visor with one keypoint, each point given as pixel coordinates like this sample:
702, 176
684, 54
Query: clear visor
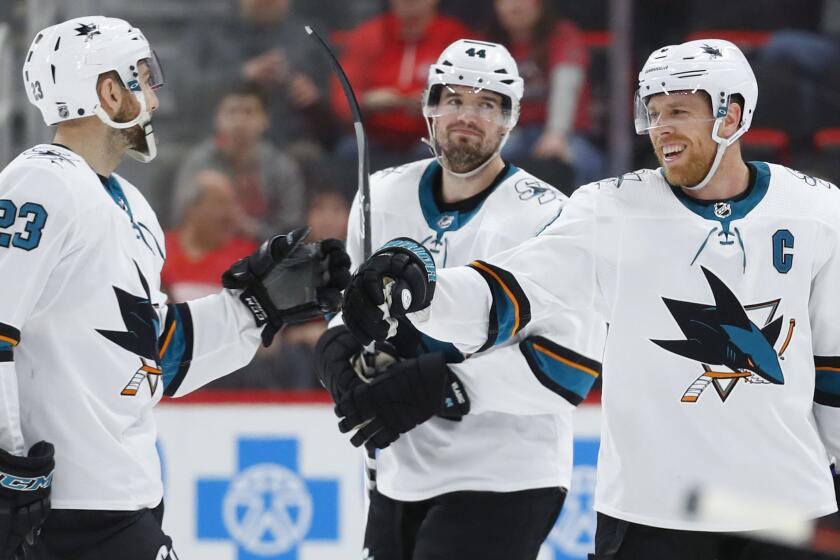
150, 71
668, 109
467, 102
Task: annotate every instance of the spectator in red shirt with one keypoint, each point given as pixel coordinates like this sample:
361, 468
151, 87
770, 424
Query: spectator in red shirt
202, 248
387, 60
553, 61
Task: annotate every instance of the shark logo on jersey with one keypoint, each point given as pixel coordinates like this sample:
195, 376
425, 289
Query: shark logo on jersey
724, 334
617, 182
140, 337
530, 188
55, 157
810, 180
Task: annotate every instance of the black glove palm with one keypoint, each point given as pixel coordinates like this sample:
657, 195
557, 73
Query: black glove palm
286, 281
403, 396
25, 485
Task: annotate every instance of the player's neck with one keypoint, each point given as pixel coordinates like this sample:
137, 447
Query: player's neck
731, 179
456, 189
95, 145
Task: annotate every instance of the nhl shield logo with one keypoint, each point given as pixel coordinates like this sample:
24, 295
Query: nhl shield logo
723, 210
445, 221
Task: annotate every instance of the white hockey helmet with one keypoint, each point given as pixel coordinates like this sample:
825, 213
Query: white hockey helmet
64, 63
714, 66
481, 66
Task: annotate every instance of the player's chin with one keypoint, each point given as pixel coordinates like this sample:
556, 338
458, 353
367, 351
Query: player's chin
136, 137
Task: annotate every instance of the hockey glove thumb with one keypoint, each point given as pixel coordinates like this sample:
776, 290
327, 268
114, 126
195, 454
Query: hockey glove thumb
25, 486
397, 279
403, 396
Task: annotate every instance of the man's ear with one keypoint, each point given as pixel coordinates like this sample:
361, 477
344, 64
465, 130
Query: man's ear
111, 92
732, 121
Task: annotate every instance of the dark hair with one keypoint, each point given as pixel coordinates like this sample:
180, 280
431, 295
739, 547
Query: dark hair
540, 38
247, 89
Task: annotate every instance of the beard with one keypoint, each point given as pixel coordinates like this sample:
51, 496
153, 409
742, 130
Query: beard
465, 154
696, 162
133, 138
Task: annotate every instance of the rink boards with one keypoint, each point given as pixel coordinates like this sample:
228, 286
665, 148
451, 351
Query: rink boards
269, 476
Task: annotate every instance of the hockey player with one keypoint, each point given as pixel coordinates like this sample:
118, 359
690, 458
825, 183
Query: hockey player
88, 342
718, 280
445, 489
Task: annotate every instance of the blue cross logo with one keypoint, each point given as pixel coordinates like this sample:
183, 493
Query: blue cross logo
574, 534
267, 508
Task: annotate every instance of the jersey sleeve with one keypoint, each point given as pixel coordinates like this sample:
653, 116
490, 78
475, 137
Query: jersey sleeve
205, 339
535, 376
37, 229
826, 344
545, 286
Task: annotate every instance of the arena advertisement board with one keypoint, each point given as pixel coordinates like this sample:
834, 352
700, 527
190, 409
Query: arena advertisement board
274, 479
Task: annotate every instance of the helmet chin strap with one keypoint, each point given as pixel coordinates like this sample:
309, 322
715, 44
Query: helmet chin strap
143, 120
434, 145
722, 143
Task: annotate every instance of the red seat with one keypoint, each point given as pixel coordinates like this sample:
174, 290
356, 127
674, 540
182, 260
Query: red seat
597, 39
827, 139
769, 139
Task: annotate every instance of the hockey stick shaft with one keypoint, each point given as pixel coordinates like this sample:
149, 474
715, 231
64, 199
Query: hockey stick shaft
363, 188
361, 142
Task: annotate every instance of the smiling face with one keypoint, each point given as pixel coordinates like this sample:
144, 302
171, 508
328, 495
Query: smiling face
467, 126
682, 135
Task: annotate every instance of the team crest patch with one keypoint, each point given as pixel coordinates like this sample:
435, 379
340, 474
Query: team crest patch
725, 334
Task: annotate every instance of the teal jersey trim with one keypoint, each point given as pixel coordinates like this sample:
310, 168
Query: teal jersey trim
739, 208
560, 369
439, 221
113, 188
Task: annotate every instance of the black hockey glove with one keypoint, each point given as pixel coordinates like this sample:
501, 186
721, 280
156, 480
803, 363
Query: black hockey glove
398, 278
401, 397
25, 485
341, 362
287, 281
333, 356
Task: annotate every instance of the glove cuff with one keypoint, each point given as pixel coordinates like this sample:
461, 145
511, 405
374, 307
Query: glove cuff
421, 257
451, 397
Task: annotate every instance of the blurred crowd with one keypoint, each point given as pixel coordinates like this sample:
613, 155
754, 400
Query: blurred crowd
255, 131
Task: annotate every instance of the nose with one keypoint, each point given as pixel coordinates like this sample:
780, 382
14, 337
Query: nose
661, 132
153, 101
467, 114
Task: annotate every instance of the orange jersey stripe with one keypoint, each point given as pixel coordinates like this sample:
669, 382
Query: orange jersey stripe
507, 291
11, 341
828, 368
168, 338
566, 361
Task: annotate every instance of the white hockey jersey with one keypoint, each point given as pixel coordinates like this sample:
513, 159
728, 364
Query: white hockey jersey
503, 445
723, 350
87, 332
